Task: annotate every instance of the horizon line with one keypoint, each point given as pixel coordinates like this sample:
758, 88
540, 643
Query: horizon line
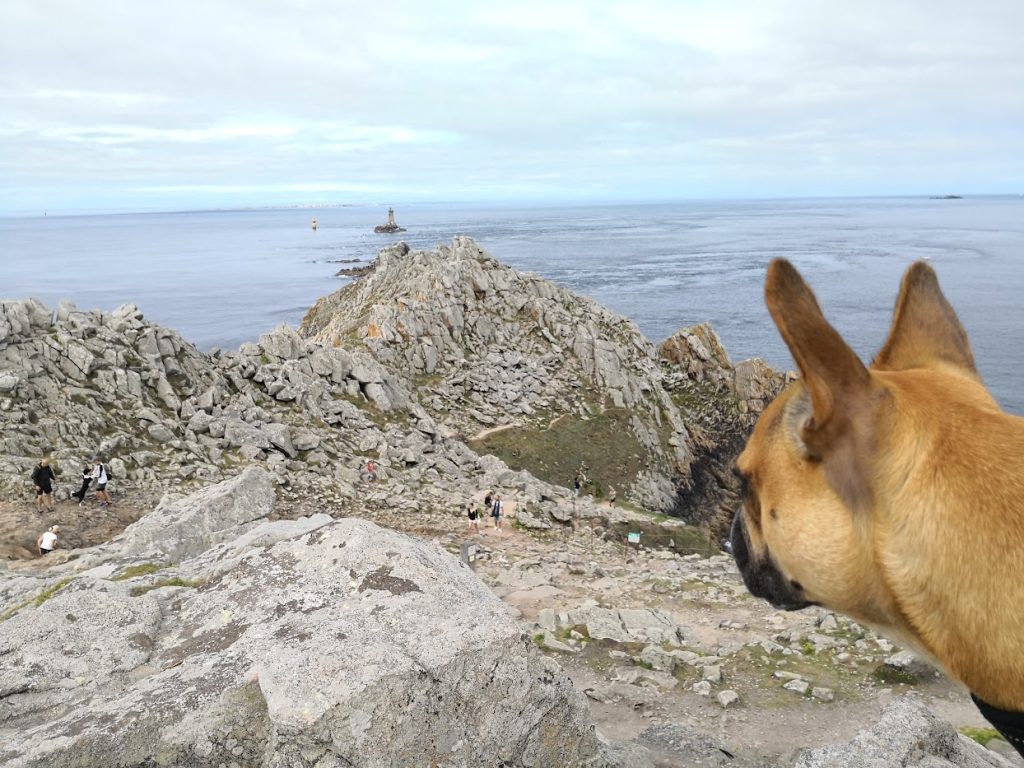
566, 202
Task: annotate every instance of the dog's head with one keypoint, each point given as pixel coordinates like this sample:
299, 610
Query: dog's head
827, 450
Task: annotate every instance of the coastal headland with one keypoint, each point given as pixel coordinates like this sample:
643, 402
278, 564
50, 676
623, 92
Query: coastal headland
288, 575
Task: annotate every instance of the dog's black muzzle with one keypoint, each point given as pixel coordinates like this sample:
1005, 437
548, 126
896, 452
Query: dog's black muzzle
762, 577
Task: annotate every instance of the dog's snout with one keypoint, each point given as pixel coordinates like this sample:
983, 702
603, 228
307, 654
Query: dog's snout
761, 575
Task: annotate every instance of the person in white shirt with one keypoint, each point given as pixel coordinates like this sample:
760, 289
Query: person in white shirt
99, 474
47, 542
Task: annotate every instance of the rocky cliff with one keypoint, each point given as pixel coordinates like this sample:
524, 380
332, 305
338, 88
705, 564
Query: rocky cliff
558, 380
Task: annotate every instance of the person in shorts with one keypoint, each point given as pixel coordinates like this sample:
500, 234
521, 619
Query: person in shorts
47, 541
474, 516
99, 474
42, 478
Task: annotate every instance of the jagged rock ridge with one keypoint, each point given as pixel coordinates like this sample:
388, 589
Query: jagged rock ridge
489, 346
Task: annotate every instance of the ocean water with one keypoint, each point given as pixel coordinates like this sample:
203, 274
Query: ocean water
224, 277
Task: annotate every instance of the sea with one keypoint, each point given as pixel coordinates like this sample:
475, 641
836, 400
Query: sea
223, 277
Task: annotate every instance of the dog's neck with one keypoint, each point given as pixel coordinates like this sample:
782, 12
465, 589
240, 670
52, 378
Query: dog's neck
949, 525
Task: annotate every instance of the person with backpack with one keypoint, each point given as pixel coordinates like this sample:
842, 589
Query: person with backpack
497, 510
42, 478
101, 474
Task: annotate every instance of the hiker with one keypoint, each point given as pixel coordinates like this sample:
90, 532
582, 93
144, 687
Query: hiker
487, 500
497, 510
611, 495
371, 470
102, 477
86, 482
473, 514
576, 485
47, 541
42, 478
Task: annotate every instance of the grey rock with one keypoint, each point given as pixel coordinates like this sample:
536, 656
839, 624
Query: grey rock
658, 658
546, 619
304, 440
200, 422
161, 433
797, 686
906, 735
185, 527
280, 438
712, 673
677, 745
727, 698
239, 673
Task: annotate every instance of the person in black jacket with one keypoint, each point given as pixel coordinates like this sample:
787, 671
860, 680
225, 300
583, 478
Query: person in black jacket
42, 478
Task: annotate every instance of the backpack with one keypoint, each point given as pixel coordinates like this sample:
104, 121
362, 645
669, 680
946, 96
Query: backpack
105, 468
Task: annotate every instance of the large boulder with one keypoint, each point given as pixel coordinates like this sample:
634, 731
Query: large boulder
908, 735
347, 645
181, 528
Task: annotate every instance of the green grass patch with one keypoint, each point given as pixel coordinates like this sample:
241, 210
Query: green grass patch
39, 599
604, 442
892, 676
538, 640
144, 569
981, 735
172, 582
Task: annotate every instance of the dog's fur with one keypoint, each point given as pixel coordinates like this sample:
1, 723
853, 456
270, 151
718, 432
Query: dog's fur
895, 493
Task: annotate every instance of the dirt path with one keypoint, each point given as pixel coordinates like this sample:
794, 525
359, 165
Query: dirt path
80, 526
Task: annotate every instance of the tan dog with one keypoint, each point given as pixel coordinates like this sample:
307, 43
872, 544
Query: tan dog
895, 493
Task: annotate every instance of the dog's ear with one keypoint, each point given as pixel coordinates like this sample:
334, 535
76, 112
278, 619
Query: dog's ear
838, 429
926, 332
831, 371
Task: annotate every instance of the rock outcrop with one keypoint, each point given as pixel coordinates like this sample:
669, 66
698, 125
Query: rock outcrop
908, 736
490, 349
721, 403
341, 644
81, 384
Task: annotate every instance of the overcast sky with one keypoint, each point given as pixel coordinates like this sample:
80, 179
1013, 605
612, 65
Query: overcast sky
199, 103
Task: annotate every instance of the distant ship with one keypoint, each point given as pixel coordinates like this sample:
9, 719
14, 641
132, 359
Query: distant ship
391, 226
946, 197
